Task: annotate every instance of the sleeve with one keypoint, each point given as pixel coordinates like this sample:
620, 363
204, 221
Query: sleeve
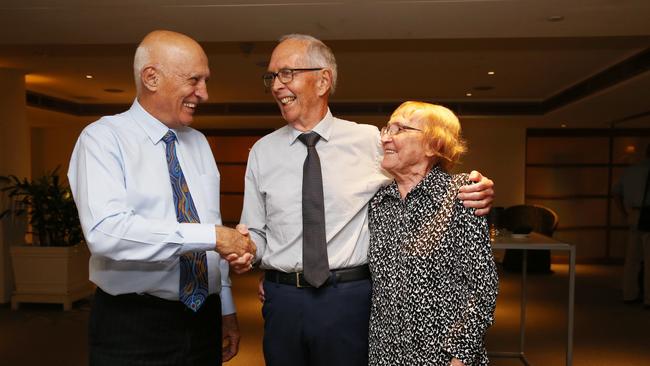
378, 153
227, 302
254, 210
113, 228
465, 338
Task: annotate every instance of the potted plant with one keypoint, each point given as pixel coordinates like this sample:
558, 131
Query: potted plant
55, 267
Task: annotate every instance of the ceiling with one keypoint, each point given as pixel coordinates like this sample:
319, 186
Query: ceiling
558, 60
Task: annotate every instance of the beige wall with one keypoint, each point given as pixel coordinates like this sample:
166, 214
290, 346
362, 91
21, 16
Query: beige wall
53, 136
497, 149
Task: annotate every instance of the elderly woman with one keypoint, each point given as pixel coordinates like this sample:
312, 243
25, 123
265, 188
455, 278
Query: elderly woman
434, 278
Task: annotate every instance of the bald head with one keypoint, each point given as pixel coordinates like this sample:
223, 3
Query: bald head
161, 48
171, 75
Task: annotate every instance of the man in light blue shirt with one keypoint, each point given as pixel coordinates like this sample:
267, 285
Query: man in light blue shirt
120, 174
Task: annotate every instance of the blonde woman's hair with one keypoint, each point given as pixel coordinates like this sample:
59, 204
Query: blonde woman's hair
441, 130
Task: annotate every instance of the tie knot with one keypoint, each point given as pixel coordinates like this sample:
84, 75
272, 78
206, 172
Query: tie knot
310, 139
169, 137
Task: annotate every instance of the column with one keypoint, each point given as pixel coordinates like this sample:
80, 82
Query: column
15, 158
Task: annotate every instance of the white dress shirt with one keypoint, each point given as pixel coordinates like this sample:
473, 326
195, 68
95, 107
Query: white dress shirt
350, 156
120, 182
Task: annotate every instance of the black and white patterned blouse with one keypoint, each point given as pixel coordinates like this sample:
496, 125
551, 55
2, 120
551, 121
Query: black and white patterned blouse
434, 278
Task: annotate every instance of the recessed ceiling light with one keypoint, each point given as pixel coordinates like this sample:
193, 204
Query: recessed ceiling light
555, 18
89, 76
490, 72
469, 94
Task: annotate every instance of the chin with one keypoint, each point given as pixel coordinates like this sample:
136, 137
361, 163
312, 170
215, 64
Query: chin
186, 122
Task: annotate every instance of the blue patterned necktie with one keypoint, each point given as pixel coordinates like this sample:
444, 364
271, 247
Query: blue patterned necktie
193, 285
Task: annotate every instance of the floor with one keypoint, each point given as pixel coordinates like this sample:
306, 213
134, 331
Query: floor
607, 332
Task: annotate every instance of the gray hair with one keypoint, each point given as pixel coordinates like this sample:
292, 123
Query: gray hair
141, 59
319, 55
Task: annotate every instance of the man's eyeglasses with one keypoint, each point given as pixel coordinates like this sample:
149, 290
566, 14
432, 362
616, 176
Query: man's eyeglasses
396, 128
284, 75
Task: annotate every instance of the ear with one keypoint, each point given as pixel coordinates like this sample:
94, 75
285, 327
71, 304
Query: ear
150, 78
431, 148
324, 82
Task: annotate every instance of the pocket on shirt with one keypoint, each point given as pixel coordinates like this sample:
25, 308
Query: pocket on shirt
210, 184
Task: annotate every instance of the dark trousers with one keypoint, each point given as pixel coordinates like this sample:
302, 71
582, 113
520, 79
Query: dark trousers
145, 330
311, 327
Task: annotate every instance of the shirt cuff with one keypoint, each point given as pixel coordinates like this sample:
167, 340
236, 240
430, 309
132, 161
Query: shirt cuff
227, 303
197, 237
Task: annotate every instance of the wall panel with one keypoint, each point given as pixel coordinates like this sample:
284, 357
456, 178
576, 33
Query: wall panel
230, 149
567, 181
573, 172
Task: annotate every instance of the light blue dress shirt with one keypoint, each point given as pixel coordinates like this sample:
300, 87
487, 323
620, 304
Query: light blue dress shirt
350, 156
120, 182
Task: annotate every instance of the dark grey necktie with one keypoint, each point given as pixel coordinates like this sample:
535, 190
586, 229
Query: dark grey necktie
314, 246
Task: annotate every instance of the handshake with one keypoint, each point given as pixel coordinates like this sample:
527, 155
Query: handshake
236, 246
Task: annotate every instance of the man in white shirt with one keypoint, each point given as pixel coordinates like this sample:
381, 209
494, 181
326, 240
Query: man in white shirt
147, 190
629, 192
309, 322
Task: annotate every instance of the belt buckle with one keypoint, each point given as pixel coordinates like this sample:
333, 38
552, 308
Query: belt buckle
298, 285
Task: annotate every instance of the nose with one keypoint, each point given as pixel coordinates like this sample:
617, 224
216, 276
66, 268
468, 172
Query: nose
201, 91
276, 84
386, 137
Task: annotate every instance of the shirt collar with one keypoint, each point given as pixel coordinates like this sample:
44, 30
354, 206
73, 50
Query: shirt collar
435, 184
154, 129
323, 129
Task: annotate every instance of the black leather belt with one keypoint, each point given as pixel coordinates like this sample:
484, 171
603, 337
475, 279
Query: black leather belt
339, 275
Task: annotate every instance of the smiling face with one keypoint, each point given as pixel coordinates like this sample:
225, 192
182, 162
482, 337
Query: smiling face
173, 77
407, 153
415, 152
183, 85
302, 101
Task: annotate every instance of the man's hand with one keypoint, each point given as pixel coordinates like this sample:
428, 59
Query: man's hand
230, 335
244, 263
231, 241
456, 362
479, 195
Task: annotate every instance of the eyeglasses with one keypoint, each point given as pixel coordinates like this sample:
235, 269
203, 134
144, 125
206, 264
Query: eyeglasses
284, 75
396, 128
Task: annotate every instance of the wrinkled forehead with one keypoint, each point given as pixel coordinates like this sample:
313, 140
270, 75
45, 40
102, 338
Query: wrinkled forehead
187, 61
